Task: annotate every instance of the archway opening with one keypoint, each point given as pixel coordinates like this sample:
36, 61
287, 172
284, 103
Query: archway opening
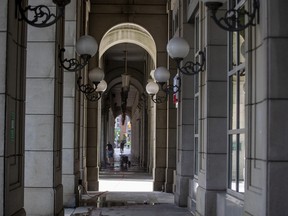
122, 134
132, 163
125, 175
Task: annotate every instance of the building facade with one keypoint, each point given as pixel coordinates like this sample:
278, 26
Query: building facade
222, 150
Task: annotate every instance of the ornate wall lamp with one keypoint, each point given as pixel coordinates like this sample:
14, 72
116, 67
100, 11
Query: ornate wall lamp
93, 92
42, 16
178, 49
159, 90
86, 48
234, 19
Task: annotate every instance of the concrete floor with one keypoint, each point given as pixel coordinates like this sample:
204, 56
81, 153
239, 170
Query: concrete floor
129, 204
126, 192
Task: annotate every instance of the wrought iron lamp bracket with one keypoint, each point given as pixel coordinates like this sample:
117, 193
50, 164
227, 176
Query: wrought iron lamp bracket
94, 96
86, 88
231, 21
170, 88
42, 16
191, 68
159, 99
74, 64
166, 90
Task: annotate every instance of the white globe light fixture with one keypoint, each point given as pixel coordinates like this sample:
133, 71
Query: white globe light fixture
86, 45
96, 75
161, 75
102, 86
178, 48
152, 88
86, 48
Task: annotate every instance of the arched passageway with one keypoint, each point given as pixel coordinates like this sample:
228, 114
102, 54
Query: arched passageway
126, 48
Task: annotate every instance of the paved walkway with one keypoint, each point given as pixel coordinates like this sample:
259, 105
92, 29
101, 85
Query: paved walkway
126, 191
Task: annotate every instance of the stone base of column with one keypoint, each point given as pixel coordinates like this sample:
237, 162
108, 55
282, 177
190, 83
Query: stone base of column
93, 186
69, 200
21, 212
159, 179
69, 197
44, 201
168, 187
182, 189
93, 178
228, 205
206, 202
169, 180
193, 184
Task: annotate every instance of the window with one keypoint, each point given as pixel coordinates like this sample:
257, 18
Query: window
236, 116
196, 95
176, 21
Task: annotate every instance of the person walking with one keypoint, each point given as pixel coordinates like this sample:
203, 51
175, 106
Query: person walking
122, 146
110, 154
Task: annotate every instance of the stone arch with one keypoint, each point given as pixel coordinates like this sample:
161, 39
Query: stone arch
128, 33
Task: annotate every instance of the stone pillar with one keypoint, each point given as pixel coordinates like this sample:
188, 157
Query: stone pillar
171, 140
144, 139
267, 159
93, 142
185, 136
104, 125
69, 176
151, 133
12, 113
136, 147
212, 175
82, 137
43, 144
160, 147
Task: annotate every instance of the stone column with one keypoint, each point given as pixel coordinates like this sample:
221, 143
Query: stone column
69, 176
171, 140
104, 125
151, 133
43, 144
212, 175
93, 142
82, 137
160, 147
136, 149
185, 136
267, 158
12, 113
144, 139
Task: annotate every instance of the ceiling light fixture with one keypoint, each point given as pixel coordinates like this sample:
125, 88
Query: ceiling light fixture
125, 76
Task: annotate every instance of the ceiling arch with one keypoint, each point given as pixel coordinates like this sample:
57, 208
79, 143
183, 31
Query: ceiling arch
128, 33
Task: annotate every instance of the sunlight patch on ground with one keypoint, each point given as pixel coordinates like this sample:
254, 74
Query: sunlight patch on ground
126, 185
